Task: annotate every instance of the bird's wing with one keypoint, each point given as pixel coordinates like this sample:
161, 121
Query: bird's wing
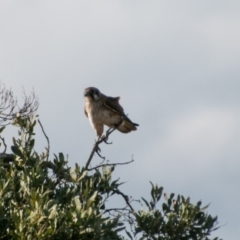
113, 104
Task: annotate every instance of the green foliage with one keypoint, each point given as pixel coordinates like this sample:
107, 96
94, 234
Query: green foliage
41, 199
178, 220
49, 200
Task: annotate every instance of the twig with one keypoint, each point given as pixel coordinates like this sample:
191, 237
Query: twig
125, 198
109, 164
98, 153
5, 146
116, 209
48, 148
9, 107
102, 161
99, 141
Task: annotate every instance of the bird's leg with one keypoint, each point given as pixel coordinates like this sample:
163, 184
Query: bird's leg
109, 131
105, 136
97, 148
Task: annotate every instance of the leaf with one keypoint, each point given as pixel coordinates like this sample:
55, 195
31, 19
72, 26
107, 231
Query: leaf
147, 204
83, 175
92, 198
159, 193
119, 229
204, 208
172, 196
77, 203
53, 212
1, 129
31, 144
16, 151
199, 204
128, 234
73, 174
61, 157
165, 207
114, 182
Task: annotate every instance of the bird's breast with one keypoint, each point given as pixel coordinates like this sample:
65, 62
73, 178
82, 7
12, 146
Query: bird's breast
99, 114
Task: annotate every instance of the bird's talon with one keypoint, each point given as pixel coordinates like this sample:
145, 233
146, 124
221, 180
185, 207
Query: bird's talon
103, 137
107, 142
97, 150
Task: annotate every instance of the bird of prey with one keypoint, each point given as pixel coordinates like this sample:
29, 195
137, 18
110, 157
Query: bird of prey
103, 110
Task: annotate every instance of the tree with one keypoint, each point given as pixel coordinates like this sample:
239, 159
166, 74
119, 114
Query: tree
9, 107
42, 198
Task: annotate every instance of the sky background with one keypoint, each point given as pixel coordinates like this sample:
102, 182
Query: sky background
176, 67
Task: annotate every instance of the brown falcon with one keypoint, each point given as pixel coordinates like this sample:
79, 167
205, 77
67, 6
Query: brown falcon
103, 110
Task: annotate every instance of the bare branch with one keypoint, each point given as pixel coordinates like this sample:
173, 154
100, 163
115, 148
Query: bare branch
126, 198
48, 148
116, 210
9, 107
5, 146
109, 164
99, 141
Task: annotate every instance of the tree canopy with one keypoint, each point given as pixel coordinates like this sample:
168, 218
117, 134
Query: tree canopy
41, 197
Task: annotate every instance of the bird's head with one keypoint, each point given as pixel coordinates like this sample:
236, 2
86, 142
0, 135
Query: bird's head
92, 93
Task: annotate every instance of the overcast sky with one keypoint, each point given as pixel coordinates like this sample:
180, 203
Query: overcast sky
176, 66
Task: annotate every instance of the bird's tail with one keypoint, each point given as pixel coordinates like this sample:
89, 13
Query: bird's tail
127, 126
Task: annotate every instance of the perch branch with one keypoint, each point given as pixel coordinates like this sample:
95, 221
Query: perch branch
48, 148
99, 141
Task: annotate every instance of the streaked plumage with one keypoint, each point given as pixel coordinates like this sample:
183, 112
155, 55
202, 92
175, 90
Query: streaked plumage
103, 110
